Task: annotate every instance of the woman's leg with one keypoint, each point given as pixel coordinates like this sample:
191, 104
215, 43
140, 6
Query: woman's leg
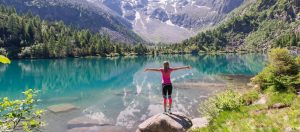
165, 104
164, 93
170, 96
170, 102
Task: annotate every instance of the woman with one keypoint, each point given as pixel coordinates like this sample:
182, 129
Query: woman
166, 82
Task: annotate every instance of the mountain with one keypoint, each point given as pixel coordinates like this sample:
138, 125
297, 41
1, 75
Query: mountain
257, 25
170, 20
122, 20
82, 14
28, 36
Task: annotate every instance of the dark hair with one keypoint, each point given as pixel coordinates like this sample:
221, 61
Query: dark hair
166, 66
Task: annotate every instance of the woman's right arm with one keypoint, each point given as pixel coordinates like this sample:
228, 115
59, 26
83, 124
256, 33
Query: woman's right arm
183, 67
152, 69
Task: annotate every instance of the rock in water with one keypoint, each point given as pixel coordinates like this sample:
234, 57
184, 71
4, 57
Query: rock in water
175, 122
61, 108
82, 122
86, 124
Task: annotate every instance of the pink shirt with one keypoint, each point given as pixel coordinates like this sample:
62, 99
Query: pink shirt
166, 76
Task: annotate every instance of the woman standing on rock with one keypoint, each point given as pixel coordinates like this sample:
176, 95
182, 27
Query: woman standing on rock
166, 82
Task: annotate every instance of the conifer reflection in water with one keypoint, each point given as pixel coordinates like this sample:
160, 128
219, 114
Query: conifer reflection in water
116, 89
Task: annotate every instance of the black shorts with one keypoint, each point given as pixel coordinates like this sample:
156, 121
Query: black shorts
167, 90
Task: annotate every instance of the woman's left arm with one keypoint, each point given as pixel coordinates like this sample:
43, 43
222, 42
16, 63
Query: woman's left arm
183, 67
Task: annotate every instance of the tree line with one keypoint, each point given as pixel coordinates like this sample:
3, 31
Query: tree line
27, 36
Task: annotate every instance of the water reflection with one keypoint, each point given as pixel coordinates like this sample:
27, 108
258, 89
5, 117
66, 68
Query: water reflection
116, 90
66, 75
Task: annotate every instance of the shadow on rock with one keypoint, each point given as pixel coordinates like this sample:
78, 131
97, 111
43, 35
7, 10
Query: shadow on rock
175, 122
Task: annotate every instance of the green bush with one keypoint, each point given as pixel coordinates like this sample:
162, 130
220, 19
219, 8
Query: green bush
281, 73
226, 101
17, 112
4, 60
250, 96
282, 62
297, 61
274, 97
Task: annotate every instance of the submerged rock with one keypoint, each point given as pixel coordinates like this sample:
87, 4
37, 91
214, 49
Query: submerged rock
86, 124
199, 122
82, 121
175, 122
98, 129
62, 108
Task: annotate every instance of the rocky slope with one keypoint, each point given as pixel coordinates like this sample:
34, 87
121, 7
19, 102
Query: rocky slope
153, 20
170, 20
256, 26
79, 14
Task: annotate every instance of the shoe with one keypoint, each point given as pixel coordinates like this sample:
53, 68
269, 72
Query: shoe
169, 111
165, 112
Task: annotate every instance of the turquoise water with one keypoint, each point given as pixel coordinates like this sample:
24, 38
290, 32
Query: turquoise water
117, 91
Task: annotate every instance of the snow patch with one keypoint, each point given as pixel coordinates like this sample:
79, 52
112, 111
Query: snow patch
122, 8
92, 1
175, 7
138, 18
137, 15
203, 7
148, 19
193, 2
170, 23
162, 2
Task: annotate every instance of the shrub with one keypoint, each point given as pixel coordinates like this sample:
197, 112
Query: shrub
281, 73
282, 62
4, 60
226, 101
297, 61
250, 96
274, 97
2, 50
16, 112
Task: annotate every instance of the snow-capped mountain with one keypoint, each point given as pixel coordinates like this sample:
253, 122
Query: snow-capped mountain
170, 20
153, 20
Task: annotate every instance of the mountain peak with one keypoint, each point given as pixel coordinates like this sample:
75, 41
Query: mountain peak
153, 20
156, 20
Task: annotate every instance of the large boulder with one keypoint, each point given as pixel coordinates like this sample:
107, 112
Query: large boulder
175, 122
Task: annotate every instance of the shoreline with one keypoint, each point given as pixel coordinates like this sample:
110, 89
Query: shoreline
131, 56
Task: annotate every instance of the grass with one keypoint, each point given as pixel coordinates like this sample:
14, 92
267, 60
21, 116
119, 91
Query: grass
277, 83
250, 96
283, 98
259, 117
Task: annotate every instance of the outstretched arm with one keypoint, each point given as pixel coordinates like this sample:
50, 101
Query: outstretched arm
152, 69
180, 68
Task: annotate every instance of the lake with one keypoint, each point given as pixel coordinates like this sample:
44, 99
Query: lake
117, 91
